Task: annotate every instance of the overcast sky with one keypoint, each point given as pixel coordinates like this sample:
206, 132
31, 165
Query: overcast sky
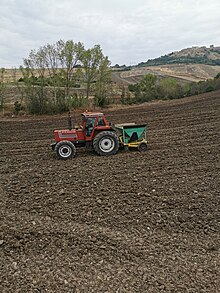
129, 31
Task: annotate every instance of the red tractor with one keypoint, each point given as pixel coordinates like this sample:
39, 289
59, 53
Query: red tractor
95, 131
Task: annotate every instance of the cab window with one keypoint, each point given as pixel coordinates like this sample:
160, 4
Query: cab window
90, 122
101, 122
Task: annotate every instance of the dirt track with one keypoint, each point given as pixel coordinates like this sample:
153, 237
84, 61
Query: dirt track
127, 223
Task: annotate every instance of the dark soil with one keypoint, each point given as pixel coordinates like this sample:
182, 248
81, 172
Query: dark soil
132, 222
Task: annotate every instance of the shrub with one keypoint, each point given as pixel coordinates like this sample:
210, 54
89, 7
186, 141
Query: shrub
101, 101
77, 101
17, 107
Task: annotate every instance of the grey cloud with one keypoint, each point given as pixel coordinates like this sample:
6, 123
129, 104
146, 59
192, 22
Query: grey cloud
129, 31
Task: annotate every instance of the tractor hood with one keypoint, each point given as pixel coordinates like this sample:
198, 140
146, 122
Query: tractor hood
65, 135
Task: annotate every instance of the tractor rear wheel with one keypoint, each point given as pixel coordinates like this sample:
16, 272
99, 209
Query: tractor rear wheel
106, 143
142, 147
65, 150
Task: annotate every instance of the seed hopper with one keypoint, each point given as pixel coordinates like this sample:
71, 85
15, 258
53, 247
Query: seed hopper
132, 135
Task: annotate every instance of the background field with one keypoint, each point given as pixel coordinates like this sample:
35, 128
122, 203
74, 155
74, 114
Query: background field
181, 72
187, 72
127, 223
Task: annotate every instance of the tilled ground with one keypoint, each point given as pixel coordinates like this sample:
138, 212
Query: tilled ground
132, 222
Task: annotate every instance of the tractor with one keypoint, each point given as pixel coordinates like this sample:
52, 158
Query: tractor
101, 136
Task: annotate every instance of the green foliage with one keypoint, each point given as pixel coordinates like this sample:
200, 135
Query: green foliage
148, 82
217, 76
17, 107
169, 59
50, 81
186, 88
101, 101
60, 67
95, 69
102, 94
209, 88
126, 97
102, 87
77, 101
37, 101
69, 55
145, 90
167, 88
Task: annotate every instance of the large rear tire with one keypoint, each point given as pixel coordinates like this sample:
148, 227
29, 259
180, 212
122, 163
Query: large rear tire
65, 150
106, 143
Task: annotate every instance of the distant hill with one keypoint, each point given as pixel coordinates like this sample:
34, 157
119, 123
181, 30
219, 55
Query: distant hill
188, 65
194, 55
183, 73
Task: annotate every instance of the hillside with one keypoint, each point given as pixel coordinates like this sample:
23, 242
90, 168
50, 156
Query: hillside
194, 55
181, 72
187, 65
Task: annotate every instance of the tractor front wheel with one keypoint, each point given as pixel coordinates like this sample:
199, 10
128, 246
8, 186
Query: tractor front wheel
106, 143
65, 150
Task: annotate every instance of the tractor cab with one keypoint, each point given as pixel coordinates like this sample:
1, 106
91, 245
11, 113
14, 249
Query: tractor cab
93, 123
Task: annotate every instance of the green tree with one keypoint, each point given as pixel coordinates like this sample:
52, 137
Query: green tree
126, 97
70, 54
147, 90
92, 61
186, 89
52, 63
169, 89
103, 83
20, 86
63, 65
35, 69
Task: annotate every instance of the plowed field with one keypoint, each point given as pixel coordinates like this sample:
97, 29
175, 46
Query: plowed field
133, 222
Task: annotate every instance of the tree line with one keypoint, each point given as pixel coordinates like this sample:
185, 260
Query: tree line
151, 88
50, 73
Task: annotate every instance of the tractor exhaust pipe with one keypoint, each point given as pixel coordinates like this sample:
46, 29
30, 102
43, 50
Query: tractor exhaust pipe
70, 121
